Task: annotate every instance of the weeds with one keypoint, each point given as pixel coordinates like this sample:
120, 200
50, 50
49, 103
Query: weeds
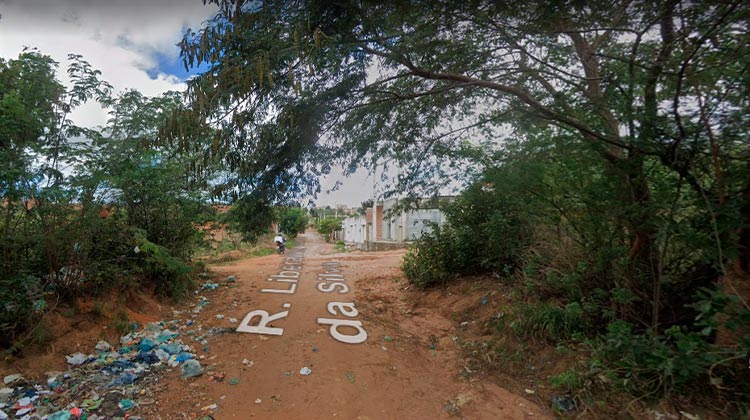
121, 323
568, 381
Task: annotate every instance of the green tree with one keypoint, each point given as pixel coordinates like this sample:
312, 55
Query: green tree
655, 89
292, 220
327, 226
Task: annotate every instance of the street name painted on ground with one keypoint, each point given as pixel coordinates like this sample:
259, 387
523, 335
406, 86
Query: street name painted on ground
329, 281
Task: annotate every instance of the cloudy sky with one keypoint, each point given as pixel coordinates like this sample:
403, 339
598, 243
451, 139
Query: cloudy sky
132, 42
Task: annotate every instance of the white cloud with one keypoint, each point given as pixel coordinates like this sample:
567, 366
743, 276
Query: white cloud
119, 38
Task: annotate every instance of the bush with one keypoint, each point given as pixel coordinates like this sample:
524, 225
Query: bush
432, 258
487, 230
171, 276
681, 360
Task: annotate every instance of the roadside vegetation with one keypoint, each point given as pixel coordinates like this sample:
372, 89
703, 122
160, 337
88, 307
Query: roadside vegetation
549, 223
602, 148
86, 212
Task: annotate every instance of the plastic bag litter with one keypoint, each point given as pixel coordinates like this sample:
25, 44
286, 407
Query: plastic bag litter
149, 357
103, 346
191, 368
147, 344
126, 405
60, 415
76, 359
12, 378
171, 348
124, 378
305, 371
183, 357
167, 335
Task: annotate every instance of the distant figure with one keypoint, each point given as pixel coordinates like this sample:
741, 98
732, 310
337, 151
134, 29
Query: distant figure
280, 243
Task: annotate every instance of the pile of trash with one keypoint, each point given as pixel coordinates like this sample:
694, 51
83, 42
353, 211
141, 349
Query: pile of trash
113, 381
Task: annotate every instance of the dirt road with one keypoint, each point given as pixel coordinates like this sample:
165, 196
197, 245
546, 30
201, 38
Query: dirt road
399, 370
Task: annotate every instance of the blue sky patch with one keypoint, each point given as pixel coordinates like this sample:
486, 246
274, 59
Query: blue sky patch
172, 65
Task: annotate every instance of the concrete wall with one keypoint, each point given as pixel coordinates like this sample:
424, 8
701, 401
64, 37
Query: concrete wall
382, 229
354, 229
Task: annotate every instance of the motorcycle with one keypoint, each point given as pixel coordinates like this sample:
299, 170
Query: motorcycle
280, 248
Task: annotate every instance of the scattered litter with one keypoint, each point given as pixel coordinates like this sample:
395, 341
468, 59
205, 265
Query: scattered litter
91, 405
103, 346
530, 391
12, 378
231, 279
60, 415
191, 368
263, 338
213, 406
288, 373
76, 359
219, 316
116, 376
350, 376
124, 378
484, 300
305, 371
315, 349
147, 344
218, 377
387, 338
563, 403
126, 405
210, 286
258, 401
233, 320
248, 363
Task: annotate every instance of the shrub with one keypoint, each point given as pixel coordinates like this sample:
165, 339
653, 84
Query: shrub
546, 321
568, 381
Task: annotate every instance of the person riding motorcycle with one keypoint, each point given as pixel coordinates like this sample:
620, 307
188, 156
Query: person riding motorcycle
280, 243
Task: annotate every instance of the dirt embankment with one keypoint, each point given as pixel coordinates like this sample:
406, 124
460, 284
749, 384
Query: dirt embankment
414, 362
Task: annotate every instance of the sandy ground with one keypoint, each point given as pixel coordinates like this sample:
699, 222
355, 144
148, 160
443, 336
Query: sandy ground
407, 368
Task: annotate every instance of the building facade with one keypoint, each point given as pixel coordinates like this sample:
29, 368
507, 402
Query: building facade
384, 227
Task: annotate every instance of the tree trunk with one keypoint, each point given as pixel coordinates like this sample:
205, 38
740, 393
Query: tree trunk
644, 278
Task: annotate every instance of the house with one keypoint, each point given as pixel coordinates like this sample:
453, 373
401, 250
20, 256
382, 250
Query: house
384, 227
